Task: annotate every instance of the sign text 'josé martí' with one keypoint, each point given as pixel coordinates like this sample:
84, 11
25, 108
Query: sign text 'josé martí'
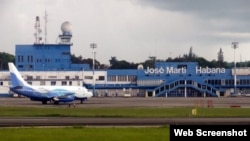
183, 70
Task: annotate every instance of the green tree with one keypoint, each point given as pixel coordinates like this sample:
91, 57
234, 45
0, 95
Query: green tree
112, 61
120, 65
80, 60
4, 59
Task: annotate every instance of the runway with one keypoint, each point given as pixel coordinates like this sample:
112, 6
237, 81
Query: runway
243, 102
170, 102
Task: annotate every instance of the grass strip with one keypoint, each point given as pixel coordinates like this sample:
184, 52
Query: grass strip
122, 112
83, 133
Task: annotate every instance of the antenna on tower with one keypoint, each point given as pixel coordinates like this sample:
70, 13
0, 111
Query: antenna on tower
45, 28
38, 31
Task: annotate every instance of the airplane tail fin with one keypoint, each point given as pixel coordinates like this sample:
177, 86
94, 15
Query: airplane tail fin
15, 76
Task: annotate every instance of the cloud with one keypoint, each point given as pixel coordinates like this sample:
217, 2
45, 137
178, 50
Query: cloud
204, 8
216, 23
131, 30
228, 13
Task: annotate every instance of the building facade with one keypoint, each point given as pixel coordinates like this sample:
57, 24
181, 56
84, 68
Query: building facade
45, 57
166, 79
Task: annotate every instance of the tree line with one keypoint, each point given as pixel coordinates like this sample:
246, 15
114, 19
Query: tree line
123, 64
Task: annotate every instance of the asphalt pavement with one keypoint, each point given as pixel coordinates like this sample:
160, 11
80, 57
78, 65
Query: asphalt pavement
230, 102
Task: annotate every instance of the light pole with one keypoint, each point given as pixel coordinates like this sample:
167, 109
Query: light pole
234, 46
93, 46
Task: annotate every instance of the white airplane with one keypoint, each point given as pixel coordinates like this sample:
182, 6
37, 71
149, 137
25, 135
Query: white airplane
44, 94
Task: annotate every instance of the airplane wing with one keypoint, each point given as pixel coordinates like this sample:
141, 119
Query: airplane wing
57, 95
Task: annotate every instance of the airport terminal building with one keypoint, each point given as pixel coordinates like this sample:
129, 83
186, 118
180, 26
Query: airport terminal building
50, 64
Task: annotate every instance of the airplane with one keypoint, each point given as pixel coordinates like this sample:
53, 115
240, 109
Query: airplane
44, 94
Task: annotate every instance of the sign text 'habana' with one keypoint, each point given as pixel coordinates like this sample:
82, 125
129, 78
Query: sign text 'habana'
183, 70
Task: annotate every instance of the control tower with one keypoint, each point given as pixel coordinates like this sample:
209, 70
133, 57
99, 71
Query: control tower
66, 33
45, 56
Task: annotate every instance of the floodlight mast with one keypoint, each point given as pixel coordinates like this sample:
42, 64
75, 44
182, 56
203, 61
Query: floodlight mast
45, 27
93, 46
234, 46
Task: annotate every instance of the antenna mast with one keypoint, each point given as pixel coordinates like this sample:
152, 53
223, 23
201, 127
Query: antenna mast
38, 31
45, 28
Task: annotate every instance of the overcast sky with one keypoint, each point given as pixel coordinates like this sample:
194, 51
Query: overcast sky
133, 30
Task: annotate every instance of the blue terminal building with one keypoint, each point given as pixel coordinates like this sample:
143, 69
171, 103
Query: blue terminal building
179, 79
45, 57
165, 79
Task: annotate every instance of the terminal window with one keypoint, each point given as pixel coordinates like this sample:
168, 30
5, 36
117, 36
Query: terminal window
53, 83
101, 78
